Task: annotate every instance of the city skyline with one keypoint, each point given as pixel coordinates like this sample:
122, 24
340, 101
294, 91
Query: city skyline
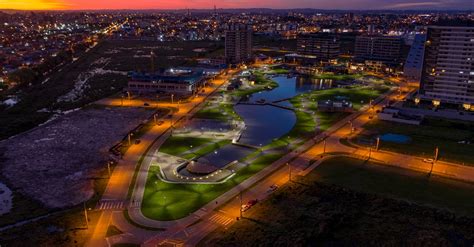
241, 4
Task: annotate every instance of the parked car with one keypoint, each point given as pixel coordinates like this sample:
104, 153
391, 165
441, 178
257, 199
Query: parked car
146, 104
160, 122
137, 141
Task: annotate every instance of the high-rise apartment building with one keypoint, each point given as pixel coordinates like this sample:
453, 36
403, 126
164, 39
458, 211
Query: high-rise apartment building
238, 43
414, 62
448, 67
323, 46
382, 48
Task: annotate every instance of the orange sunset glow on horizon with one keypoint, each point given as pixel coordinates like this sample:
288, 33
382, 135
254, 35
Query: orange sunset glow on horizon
209, 4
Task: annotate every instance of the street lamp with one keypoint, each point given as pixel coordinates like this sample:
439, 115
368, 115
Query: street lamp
324, 146
289, 171
86, 216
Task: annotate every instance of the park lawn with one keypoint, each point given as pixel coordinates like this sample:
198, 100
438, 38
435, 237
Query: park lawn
338, 77
223, 111
277, 71
358, 95
207, 149
176, 145
167, 201
398, 183
426, 137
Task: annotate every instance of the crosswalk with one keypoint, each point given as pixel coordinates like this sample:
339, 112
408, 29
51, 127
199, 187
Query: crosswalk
221, 219
110, 204
135, 204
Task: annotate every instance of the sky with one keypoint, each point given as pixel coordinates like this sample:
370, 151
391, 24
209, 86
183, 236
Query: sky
209, 4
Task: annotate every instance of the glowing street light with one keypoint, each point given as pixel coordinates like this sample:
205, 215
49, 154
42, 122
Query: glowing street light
417, 101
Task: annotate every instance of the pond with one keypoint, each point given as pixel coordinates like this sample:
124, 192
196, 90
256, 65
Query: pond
264, 123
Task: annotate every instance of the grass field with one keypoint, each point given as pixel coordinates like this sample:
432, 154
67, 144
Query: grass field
176, 145
338, 77
398, 183
165, 201
345, 202
426, 137
219, 111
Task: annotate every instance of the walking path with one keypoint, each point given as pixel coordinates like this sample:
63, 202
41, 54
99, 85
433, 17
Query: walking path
123, 174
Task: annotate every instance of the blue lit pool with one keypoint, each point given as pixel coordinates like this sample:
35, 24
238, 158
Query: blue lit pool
396, 138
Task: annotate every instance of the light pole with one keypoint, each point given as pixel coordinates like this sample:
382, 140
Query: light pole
240, 199
436, 154
378, 144
108, 167
289, 171
154, 118
129, 138
86, 216
172, 98
370, 152
324, 146
352, 126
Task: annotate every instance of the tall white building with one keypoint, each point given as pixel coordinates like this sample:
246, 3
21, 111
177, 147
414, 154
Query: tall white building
448, 67
414, 63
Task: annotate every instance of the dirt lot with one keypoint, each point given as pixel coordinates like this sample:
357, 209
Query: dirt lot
55, 163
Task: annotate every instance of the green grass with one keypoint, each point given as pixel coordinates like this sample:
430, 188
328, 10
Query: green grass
426, 137
338, 77
176, 145
207, 149
278, 71
398, 183
166, 201
358, 95
221, 111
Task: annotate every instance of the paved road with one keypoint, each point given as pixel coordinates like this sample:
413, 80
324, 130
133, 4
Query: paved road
120, 181
211, 217
257, 188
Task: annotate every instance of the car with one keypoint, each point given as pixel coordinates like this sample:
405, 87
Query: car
160, 122
272, 188
252, 202
146, 104
428, 161
245, 207
137, 141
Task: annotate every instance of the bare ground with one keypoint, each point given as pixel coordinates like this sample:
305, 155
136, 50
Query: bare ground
55, 163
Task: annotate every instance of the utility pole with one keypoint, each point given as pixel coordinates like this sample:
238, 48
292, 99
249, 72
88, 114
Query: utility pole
378, 144
436, 154
129, 138
370, 152
154, 118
